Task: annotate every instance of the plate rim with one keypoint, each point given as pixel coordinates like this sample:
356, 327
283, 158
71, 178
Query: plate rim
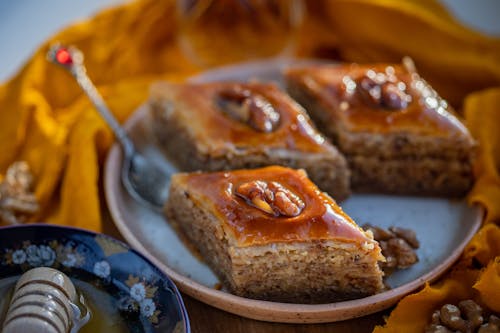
267, 310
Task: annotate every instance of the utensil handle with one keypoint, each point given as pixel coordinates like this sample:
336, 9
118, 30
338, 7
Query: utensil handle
72, 60
95, 97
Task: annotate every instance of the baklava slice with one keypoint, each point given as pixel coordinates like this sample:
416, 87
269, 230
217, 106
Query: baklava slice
224, 126
271, 234
397, 134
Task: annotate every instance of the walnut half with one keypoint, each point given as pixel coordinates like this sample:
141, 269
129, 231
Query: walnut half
271, 197
17, 202
249, 108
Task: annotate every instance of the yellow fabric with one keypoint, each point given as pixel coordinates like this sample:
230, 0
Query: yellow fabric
45, 120
477, 274
413, 313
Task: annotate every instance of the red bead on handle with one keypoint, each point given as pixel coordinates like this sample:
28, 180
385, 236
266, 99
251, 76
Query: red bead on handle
63, 56
69, 57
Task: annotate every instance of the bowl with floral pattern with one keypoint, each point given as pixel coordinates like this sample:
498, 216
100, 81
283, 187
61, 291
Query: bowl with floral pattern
121, 285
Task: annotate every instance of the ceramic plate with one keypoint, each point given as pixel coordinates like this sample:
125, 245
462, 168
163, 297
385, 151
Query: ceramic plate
443, 227
108, 265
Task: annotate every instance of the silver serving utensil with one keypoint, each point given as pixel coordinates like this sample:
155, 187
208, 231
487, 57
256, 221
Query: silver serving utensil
145, 181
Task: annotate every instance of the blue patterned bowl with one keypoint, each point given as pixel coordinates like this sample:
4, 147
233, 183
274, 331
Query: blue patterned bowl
146, 298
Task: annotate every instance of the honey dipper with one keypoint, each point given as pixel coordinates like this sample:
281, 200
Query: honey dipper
43, 302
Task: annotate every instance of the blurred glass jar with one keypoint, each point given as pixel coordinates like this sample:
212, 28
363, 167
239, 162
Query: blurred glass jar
215, 32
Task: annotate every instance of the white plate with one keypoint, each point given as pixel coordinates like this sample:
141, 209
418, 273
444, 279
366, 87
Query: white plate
443, 227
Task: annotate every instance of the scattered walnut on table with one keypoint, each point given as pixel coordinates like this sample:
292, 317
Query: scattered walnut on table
492, 326
398, 246
451, 317
271, 197
466, 317
17, 201
436, 328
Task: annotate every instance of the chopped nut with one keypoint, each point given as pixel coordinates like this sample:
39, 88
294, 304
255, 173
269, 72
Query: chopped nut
271, 197
493, 325
437, 329
390, 260
249, 108
407, 234
466, 317
17, 201
404, 253
451, 317
472, 312
435, 318
368, 246
19, 177
494, 320
489, 328
397, 246
8, 217
379, 233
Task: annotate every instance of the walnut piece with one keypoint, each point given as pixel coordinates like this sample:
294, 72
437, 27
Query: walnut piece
467, 317
379, 234
472, 312
271, 197
436, 328
404, 253
492, 326
407, 234
383, 90
451, 317
17, 202
398, 246
494, 320
249, 108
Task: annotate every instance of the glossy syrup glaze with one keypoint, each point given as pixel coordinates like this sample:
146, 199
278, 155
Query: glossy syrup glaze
198, 107
337, 89
320, 219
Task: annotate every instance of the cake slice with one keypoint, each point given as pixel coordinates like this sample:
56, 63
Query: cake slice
223, 126
271, 234
397, 134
